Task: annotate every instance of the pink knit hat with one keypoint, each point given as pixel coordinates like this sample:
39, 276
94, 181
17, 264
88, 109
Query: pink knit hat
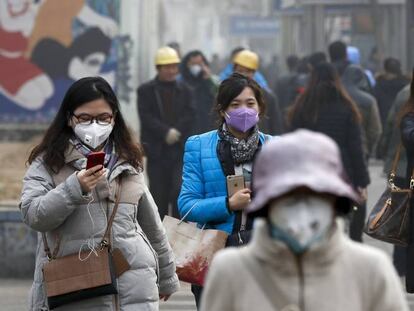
299, 159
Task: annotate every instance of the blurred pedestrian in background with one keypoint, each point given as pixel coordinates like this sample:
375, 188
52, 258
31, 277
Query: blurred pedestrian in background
229, 69
391, 137
72, 205
247, 62
299, 257
285, 85
339, 57
354, 57
272, 71
210, 157
317, 58
354, 79
167, 117
388, 85
374, 61
327, 108
215, 64
195, 72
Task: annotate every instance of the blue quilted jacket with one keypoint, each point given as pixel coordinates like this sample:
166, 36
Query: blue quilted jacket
204, 189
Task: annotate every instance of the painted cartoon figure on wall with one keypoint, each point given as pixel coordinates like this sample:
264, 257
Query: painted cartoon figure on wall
20, 80
47, 44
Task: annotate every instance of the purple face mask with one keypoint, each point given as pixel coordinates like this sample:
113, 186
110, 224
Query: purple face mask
242, 119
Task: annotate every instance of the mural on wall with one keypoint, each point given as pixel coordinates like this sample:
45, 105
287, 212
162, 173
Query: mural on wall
45, 45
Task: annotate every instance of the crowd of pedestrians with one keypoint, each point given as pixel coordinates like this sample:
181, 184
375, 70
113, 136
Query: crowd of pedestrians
300, 143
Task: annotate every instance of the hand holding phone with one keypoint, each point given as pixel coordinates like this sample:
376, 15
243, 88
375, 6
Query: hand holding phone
94, 159
234, 184
238, 194
89, 177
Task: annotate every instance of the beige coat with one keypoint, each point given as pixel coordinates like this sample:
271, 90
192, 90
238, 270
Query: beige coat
54, 204
340, 275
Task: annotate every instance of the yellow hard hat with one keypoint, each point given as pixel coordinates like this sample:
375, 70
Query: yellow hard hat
247, 59
166, 56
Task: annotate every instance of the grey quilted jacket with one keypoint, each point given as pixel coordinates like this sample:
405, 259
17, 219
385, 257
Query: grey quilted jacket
54, 204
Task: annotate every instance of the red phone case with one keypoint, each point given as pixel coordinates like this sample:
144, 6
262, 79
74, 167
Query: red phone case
95, 158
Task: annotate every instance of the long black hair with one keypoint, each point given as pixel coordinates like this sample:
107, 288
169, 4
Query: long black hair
324, 87
56, 139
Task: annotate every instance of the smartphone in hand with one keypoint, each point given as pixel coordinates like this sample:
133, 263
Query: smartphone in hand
234, 184
95, 158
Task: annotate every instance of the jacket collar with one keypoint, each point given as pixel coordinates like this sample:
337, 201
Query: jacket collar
281, 258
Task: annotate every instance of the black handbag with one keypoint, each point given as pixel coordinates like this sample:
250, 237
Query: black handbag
388, 220
68, 279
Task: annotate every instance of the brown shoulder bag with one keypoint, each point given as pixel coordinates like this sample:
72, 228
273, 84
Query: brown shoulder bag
388, 220
68, 279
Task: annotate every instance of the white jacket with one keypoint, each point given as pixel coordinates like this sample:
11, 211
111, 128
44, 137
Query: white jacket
339, 275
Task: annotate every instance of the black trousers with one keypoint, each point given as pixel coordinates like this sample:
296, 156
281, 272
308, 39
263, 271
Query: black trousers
165, 183
358, 222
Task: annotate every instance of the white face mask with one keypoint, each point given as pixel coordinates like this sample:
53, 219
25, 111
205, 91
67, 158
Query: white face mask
301, 221
195, 70
93, 134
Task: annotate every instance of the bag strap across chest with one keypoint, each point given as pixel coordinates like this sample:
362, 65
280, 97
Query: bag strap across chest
105, 242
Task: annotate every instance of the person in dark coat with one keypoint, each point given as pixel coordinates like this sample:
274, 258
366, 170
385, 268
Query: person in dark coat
353, 80
246, 63
166, 113
195, 72
338, 53
339, 56
326, 107
388, 85
407, 136
285, 85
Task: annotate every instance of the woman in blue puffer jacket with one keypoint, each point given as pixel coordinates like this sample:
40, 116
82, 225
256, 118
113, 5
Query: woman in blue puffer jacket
210, 157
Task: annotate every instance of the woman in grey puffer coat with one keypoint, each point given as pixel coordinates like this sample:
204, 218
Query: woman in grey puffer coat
71, 204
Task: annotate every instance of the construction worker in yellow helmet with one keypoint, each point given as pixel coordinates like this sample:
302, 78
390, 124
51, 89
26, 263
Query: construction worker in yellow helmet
246, 63
166, 62
166, 115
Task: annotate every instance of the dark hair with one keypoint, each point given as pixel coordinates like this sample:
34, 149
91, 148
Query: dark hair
392, 65
317, 58
56, 139
292, 62
230, 88
324, 87
235, 51
337, 51
92, 40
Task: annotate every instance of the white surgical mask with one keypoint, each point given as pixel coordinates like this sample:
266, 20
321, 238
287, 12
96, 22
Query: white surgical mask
93, 134
301, 221
195, 70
